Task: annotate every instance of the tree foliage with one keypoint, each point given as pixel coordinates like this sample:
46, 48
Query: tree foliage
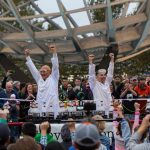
99, 15
136, 66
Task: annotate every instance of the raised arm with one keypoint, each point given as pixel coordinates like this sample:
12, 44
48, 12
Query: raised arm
91, 72
110, 71
35, 73
136, 137
125, 129
136, 116
5, 79
55, 63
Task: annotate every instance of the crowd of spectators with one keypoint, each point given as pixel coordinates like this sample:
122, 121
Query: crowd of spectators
89, 135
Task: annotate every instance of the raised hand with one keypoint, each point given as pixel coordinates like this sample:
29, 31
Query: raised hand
119, 110
111, 55
116, 103
137, 106
8, 73
27, 52
52, 48
91, 58
144, 125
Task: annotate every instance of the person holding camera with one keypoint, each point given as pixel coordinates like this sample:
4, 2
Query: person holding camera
47, 81
100, 84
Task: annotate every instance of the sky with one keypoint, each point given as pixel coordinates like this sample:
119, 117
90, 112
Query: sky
50, 6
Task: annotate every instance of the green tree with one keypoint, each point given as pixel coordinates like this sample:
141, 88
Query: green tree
135, 66
98, 15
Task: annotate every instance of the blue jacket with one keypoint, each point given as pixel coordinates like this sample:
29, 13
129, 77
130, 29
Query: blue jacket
132, 142
105, 141
3, 94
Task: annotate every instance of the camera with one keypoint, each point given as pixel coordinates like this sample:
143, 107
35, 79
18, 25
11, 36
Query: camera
129, 96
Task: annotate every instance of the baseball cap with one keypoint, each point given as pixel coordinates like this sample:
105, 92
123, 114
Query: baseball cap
4, 133
87, 134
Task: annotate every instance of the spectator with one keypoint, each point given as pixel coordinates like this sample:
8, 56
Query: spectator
44, 136
117, 85
134, 81
122, 129
134, 142
70, 92
128, 93
123, 126
66, 137
101, 127
87, 137
16, 86
63, 95
72, 128
4, 136
29, 129
14, 107
29, 92
78, 89
35, 89
6, 93
117, 125
54, 146
87, 91
21, 93
3, 116
24, 105
64, 85
142, 90
26, 143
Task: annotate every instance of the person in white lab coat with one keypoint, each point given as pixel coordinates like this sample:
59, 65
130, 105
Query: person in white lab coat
47, 81
100, 84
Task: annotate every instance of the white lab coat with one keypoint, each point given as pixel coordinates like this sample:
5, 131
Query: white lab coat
101, 92
48, 89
